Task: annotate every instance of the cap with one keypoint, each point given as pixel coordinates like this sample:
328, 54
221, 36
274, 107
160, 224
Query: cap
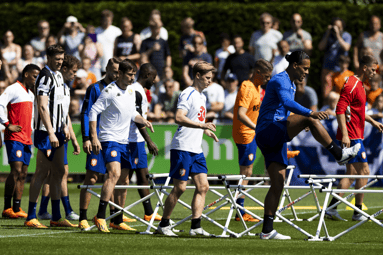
231, 76
71, 19
81, 73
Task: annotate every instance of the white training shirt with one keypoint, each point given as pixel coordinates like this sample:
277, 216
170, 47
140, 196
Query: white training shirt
117, 109
190, 139
214, 94
142, 108
51, 84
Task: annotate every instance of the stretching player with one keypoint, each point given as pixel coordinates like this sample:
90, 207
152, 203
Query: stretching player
186, 156
138, 135
351, 116
246, 110
275, 128
68, 69
50, 135
17, 101
94, 163
116, 105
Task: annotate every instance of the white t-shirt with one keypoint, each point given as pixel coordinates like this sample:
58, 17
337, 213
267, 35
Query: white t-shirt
214, 94
280, 64
106, 38
147, 32
142, 107
190, 139
229, 103
264, 44
117, 108
222, 55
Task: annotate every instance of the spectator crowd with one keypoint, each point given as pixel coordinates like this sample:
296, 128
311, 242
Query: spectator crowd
234, 62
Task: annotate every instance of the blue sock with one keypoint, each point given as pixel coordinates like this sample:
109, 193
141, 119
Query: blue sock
44, 205
56, 215
66, 204
241, 202
32, 211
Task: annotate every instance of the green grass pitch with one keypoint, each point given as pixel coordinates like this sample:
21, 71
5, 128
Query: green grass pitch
367, 239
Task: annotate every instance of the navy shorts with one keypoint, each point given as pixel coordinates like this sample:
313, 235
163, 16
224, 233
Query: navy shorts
41, 142
138, 155
18, 151
361, 157
247, 153
183, 163
113, 151
272, 141
65, 153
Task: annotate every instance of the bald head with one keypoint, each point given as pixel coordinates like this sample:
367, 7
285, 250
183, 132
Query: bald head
296, 21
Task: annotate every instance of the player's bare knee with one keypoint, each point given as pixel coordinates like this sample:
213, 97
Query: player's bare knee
203, 189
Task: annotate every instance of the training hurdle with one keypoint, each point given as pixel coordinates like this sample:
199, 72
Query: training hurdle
229, 197
330, 191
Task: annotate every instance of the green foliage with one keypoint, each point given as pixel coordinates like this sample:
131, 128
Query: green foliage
212, 18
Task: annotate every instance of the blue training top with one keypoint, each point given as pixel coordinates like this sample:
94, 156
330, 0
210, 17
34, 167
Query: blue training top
279, 102
92, 93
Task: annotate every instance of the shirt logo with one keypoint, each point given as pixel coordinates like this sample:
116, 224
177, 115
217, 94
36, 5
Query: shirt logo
182, 172
364, 155
19, 154
113, 154
255, 108
251, 156
136, 161
93, 162
49, 153
202, 114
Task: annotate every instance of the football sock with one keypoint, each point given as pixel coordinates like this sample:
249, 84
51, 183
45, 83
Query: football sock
66, 204
164, 222
16, 205
113, 211
43, 205
147, 207
335, 150
241, 202
196, 223
118, 219
359, 207
267, 224
56, 214
83, 214
333, 201
7, 202
31, 211
102, 209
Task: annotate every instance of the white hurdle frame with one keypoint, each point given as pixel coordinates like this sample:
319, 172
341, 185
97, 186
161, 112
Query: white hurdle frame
330, 191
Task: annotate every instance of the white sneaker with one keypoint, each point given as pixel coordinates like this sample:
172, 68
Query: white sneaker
45, 216
72, 216
359, 217
274, 235
165, 231
349, 153
333, 214
199, 231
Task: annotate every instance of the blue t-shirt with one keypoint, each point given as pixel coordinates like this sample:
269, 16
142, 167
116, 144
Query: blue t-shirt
157, 58
71, 44
92, 93
279, 102
203, 57
334, 51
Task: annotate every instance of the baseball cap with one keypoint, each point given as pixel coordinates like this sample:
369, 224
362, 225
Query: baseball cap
231, 76
71, 19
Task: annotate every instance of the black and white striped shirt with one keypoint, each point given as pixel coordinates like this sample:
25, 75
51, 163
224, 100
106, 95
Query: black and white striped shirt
51, 84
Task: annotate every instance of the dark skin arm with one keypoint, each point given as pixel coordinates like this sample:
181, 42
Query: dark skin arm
151, 145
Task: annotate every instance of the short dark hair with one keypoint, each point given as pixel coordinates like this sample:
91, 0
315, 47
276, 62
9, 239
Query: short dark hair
70, 61
367, 60
340, 19
224, 36
54, 50
203, 68
107, 13
127, 65
146, 69
297, 57
237, 36
263, 65
124, 19
344, 59
29, 68
114, 60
